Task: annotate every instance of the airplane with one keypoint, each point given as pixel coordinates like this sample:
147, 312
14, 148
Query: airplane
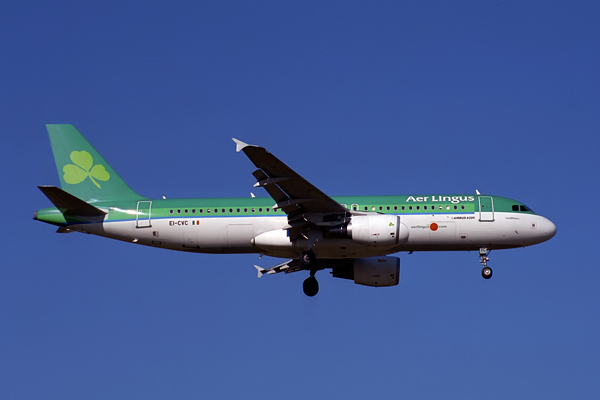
351, 235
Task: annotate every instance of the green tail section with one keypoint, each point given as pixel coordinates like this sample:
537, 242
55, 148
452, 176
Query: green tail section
82, 170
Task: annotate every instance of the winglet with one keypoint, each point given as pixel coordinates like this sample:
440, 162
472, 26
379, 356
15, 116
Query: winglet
260, 270
239, 145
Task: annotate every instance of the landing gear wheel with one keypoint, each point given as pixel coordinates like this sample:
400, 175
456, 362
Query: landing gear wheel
486, 272
308, 259
310, 286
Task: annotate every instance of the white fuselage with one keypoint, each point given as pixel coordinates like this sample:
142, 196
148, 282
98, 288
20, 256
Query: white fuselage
265, 235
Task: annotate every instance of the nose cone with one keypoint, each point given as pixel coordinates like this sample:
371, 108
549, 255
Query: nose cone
548, 228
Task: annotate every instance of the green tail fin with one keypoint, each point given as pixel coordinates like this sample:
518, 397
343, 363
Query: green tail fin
82, 170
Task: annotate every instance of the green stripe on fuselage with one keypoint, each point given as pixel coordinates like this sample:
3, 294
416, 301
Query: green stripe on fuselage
258, 206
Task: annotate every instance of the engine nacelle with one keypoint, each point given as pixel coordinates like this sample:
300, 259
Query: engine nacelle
372, 271
377, 230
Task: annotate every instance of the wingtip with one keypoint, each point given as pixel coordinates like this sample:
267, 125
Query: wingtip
239, 145
260, 270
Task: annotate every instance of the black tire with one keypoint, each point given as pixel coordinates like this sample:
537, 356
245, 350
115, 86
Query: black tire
308, 259
486, 272
310, 286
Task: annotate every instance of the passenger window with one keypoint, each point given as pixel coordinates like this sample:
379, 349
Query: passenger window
178, 211
193, 211
260, 210
200, 211
223, 210
238, 210
216, 210
170, 211
410, 207
395, 208
424, 207
185, 211
403, 208
253, 209
462, 207
245, 210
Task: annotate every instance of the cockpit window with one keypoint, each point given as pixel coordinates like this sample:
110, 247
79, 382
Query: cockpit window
521, 207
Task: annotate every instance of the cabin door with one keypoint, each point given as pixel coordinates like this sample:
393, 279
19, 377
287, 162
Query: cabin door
143, 214
486, 208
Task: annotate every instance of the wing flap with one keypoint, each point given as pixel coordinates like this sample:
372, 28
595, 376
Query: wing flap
272, 189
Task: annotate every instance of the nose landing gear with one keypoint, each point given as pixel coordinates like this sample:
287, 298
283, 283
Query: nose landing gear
486, 272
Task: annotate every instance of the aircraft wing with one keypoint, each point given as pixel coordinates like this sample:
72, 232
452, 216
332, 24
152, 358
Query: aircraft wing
294, 265
290, 191
308, 209
286, 266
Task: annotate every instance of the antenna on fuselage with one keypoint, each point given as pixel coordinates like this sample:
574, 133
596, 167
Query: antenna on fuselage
477, 191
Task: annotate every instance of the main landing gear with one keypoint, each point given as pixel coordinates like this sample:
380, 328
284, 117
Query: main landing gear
310, 286
309, 261
486, 272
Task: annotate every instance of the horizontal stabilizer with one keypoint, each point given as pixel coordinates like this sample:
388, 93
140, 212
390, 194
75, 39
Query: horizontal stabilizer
71, 205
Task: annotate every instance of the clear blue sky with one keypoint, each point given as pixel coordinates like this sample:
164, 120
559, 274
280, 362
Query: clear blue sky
386, 98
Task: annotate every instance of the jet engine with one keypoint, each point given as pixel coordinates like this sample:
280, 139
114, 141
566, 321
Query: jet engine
373, 230
372, 271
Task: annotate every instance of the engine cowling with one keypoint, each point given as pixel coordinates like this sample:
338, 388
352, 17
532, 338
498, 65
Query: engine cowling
377, 230
371, 271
